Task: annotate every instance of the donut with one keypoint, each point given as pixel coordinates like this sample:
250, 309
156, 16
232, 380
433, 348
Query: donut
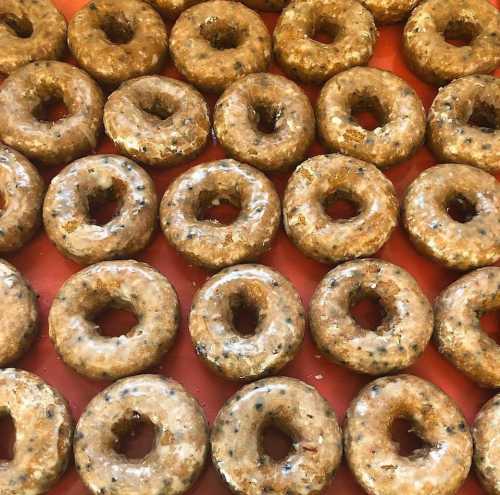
66, 209
458, 332
464, 122
21, 192
487, 445
209, 243
390, 11
171, 9
280, 322
265, 120
461, 244
266, 5
30, 30
25, 95
440, 466
396, 343
401, 116
43, 433
302, 57
117, 284
217, 42
19, 321
297, 409
157, 120
437, 61
179, 449
117, 40
322, 180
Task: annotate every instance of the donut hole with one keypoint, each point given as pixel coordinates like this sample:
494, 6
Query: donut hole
367, 310
117, 28
220, 34
276, 441
8, 436
341, 205
134, 435
407, 440
103, 205
51, 107
3, 203
157, 108
367, 112
245, 315
461, 32
485, 116
460, 209
218, 209
325, 30
490, 324
265, 116
115, 319
21, 26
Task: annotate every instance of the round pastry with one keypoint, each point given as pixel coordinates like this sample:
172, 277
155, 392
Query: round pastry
401, 116
217, 42
433, 22
265, 120
66, 209
295, 408
126, 285
390, 11
157, 120
458, 332
464, 122
322, 180
279, 322
18, 324
171, 9
43, 433
21, 193
471, 240
486, 434
179, 449
440, 466
266, 5
28, 92
116, 40
210, 243
302, 57
30, 30
403, 333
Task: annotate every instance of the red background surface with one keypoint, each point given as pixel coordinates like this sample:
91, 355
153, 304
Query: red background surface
46, 270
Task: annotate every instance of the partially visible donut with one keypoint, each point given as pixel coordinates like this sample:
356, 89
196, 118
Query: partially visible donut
171, 9
266, 5
390, 11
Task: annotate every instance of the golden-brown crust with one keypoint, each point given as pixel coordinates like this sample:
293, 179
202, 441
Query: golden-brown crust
299, 410
277, 336
436, 61
217, 42
209, 243
124, 284
458, 332
402, 115
171, 9
43, 433
266, 5
180, 447
157, 120
308, 225
26, 91
66, 209
402, 335
142, 40
439, 468
288, 114
450, 135
308, 60
434, 232
21, 190
30, 30
390, 11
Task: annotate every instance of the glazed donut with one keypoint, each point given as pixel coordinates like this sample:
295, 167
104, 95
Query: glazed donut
435, 60
400, 112
217, 42
30, 30
487, 445
390, 11
66, 209
209, 243
458, 333
452, 135
19, 321
265, 120
266, 5
179, 449
157, 120
117, 40
305, 59
43, 433
403, 333
122, 284
280, 322
461, 245
26, 93
294, 407
320, 181
21, 190
439, 467
171, 9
